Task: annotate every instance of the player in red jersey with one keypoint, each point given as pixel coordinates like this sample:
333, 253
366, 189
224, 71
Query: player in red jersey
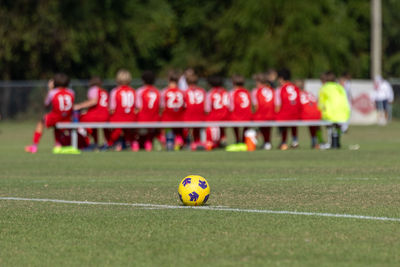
310, 110
195, 99
217, 104
97, 107
263, 98
122, 109
61, 100
148, 106
288, 106
240, 105
173, 105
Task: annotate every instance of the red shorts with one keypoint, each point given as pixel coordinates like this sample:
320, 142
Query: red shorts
122, 118
143, 117
240, 117
170, 117
51, 118
287, 117
194, 117
258, 116
94, 117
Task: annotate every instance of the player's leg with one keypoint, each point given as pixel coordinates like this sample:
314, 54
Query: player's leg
114, 135
222, 142
95, 135
313, 134
242, 133
335, 136
58, 135
148, 143
36, 137
178, 132
196, 135
295, 142
266, 133
237, 134
283, 145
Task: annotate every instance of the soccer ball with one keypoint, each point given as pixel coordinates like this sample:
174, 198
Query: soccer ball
194, 190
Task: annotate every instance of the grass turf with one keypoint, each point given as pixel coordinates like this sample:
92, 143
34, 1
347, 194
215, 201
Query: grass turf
362, 182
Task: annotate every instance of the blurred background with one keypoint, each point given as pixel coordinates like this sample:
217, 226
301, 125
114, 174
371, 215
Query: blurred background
225, 37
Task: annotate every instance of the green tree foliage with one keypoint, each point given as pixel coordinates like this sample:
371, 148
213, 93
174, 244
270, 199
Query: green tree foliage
391, 40
91, 37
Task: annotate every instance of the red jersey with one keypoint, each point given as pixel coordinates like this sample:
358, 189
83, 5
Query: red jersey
99, 112
61, 100
173, 102
148, 103
122, 101
217, 104
240, 105
288, 98
195, 99
310, 110
263, 99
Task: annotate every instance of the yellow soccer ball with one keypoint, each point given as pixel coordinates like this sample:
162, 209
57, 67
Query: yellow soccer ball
194, 190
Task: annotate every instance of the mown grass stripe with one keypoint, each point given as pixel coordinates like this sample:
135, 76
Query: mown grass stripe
159, 206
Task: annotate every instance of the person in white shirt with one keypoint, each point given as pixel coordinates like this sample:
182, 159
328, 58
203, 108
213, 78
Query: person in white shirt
383, 96
182, 83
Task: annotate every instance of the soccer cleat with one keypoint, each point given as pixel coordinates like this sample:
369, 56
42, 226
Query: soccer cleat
148, 146
91, 147
57, 149
135, 146
66, 150
118, 147
267, 146
283, 147
178, 143
294, 144
103, 147
316, 146
31, 149
325, 146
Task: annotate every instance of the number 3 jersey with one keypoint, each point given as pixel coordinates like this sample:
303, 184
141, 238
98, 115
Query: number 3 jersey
288, 98
122, 101
148, 103
173, 103
240, 105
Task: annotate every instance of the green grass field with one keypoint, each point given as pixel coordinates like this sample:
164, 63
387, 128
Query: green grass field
363, 182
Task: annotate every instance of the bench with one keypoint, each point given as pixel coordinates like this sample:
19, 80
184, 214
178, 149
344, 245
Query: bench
73, 126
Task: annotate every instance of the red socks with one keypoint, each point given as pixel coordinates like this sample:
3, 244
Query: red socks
36, 138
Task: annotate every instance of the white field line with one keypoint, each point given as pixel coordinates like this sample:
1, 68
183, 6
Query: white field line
157, 206
356, 179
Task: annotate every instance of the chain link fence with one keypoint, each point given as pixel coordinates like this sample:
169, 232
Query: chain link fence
24, 99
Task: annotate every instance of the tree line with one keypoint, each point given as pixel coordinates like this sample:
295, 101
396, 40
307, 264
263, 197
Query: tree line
97, 37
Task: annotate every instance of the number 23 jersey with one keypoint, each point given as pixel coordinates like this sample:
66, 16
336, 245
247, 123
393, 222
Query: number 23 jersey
173, 102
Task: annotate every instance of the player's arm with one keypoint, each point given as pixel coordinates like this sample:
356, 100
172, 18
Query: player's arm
91, 102
321, 99
278, 100
49, 96
113, 101
86, 104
